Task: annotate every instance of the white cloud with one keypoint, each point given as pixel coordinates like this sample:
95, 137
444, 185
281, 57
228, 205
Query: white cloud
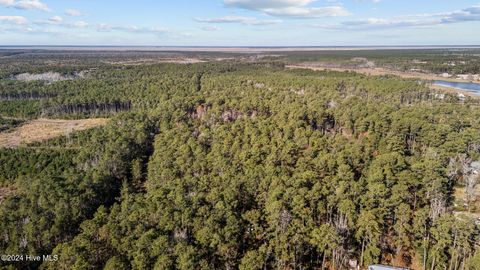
464, 15
73, 12
131, 29
7, 2
211, 28
80, 24
14, 20
372, 1
419, 20
265, 4
289, 8
59, 21
37, 31
301, 12
31, 4
61, 26
25, 4
238, 19
56, 19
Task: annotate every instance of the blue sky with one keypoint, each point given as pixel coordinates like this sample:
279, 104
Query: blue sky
240, 22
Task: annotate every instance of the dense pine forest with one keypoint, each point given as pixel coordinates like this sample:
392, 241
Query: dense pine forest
235, 164
453, 61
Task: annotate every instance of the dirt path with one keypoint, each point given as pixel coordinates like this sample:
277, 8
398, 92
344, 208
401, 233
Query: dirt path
44, 129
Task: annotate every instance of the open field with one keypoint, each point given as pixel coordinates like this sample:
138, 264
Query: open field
44, 129
156, 61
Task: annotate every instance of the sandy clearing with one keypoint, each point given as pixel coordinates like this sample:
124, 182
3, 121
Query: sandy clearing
156, 61
44, 129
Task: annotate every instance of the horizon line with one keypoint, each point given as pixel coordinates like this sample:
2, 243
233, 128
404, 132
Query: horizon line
242, 49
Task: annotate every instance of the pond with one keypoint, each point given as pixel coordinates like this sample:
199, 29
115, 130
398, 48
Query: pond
470, 87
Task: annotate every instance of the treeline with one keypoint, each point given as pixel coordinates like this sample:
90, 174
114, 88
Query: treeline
6, 124
93, 109
145, 89
26, 95
105, 91
453, 61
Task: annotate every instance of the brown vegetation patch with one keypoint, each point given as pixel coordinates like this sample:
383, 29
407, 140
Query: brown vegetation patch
6, 192
44, 129
460, 202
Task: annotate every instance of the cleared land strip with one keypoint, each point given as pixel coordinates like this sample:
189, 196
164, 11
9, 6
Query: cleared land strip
43, 129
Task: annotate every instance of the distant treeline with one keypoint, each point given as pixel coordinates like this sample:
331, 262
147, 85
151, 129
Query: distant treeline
26, 95
453, 61
92, 108
6, 124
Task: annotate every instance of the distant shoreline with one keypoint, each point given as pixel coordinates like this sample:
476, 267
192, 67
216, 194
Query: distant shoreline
244, 49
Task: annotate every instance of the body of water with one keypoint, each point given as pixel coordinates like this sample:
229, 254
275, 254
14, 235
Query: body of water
470, 87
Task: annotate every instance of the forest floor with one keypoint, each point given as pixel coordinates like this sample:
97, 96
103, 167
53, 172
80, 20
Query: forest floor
460, 196
43, 129
378, 71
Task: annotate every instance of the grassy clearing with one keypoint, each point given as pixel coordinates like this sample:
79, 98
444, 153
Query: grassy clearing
43, 129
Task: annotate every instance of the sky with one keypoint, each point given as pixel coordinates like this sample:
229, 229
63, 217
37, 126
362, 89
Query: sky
240, 22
